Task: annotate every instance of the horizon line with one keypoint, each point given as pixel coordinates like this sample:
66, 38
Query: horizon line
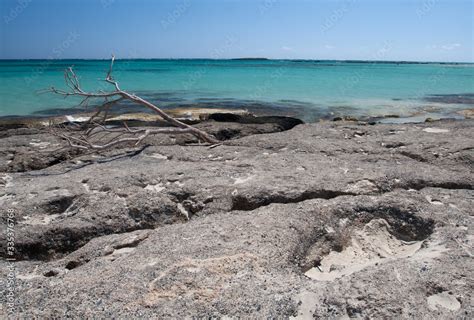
242, 59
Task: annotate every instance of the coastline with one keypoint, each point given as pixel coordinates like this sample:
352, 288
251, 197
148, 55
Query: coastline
196, 113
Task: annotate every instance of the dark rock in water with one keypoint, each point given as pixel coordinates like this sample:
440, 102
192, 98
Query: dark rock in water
467, 113
345, 118
225, 126
351, 118
377, 119
430, 120
225, 117
285, 123
466, 98
233, 130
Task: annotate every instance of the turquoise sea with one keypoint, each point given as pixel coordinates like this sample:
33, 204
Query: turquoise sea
308, 89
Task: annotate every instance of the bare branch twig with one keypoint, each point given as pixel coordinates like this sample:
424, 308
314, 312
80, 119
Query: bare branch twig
93, 127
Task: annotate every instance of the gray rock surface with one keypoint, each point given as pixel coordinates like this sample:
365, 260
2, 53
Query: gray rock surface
328, 220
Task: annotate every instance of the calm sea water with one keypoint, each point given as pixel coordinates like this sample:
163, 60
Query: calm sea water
310, 89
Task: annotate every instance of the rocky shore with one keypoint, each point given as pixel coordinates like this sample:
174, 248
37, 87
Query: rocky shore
337, 219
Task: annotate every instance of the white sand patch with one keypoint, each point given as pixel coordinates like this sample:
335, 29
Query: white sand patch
213, 157
5, 198
32, 195
435, 130
158, 156
179, 184
433, 201
77, 119
151, 263
306, 308
28, 276
362, 186
372, 244
183, 210
86, 187
41, 145
7, 181
343, 222
345, 170
434, 250
243, 180
41, 220
155, 187
121, 198
443, 300
121, 251
94, 191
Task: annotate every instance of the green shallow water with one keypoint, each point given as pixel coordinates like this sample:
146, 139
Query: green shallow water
311, 89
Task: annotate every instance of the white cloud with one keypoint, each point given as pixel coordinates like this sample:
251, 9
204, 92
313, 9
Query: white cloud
450, 46
328, 47
285, 48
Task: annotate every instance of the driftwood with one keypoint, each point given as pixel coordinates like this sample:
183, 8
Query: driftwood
94, 134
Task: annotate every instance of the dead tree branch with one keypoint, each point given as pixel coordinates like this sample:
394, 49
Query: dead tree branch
96, 127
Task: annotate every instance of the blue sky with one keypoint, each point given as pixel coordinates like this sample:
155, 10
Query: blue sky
416, 30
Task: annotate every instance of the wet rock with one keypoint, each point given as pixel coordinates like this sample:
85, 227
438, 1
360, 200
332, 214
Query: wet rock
467, 113
225, 117
467, 98
284, 123
345, 118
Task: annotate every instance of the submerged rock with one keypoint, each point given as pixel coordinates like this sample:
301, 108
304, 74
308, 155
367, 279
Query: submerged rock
467, 113
467, 98
345, 118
